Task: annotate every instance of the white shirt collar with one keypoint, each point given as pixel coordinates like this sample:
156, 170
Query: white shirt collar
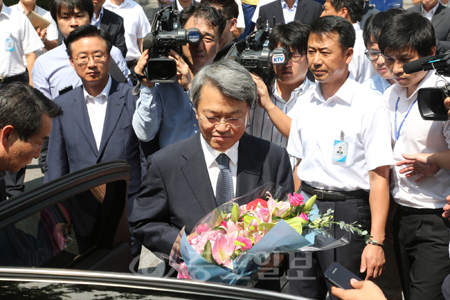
105, 91
345, 92
285, 6
431, 10
357, 26
297, 91
100, 15
6, 10
211, 154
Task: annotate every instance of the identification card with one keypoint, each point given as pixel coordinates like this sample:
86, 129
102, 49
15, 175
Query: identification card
9, 44
340, 150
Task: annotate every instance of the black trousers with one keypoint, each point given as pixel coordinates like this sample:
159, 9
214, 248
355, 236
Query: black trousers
306, 271
422, 250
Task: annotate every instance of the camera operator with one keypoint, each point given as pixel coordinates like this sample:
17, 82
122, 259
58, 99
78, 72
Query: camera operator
165, 109
271, 119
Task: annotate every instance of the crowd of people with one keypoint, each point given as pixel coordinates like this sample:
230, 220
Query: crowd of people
339, 120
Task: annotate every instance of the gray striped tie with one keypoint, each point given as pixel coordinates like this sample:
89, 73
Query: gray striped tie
224, 187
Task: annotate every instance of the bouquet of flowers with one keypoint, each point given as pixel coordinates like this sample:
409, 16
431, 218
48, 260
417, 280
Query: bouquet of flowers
232, 242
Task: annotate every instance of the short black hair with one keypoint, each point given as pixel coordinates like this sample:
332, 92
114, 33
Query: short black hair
409, 30
83, 5
88, 31
22, 106
204, 11
229, 7
355, 8
292, 35
329, 24
375, 23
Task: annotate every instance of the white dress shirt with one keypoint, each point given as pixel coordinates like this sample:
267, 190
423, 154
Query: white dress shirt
96, 107
417, 136
360, 67
212, 165
429, 14
135, 23
377, 84
96, 21
363, 118
16, 27
289, 13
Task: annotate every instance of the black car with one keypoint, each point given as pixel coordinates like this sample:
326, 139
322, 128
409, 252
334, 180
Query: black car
53, 237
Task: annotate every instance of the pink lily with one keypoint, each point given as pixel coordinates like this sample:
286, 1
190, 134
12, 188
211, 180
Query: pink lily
223, 248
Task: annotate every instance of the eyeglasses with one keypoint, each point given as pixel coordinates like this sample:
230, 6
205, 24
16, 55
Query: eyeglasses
230, 122
372, 55
84, 59
296, 56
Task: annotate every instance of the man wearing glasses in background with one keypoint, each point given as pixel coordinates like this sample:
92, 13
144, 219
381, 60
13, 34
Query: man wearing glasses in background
96, 125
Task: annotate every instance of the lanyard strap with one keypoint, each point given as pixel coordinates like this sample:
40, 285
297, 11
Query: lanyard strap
397, 131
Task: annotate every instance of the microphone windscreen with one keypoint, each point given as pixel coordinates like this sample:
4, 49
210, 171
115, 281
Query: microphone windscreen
147, 42
416, 65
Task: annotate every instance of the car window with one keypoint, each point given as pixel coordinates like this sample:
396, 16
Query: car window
59, 234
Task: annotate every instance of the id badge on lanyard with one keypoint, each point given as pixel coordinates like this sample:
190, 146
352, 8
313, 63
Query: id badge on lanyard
340, 150
9, 46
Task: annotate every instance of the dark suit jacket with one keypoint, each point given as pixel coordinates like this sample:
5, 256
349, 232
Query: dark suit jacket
367, 12
113, 24
72, 145
176, 190
441, 24
307, 11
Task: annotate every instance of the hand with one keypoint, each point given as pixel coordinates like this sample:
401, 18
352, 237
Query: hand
42, 33
140, 66
447, 104
263, 94
446, 213
372, 261
418, 164
364, 290
183, 71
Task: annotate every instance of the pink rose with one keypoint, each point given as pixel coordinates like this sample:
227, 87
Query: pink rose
247, 242
202, 228
296, 199
264, 211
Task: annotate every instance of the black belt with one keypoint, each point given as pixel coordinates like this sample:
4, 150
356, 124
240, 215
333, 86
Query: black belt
334, 195
420, 211
11, 79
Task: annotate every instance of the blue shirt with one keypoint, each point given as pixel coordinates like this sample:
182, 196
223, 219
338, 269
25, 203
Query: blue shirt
167, 109
53, 72
377, 84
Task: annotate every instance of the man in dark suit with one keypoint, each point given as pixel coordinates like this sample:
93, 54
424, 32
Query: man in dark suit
439, 15
367, 12
96, 125
183, 182
304, 11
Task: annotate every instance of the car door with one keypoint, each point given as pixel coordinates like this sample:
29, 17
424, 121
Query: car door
78, 221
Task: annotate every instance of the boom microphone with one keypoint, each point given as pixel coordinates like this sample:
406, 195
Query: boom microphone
416, 65
428, 63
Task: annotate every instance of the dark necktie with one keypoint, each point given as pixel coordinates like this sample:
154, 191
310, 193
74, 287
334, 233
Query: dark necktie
224, 187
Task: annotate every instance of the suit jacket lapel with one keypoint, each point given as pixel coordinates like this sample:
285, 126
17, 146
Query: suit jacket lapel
116, 103
249, 167
80, 110
197, 175
301, 11
278, 13
438, 16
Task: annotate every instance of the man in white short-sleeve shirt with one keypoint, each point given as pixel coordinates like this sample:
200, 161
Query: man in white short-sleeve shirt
135, 22
341, 135
421, 235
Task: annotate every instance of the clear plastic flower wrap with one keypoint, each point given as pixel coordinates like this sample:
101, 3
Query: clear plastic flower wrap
231, 243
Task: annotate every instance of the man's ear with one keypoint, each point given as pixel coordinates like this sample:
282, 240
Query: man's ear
348, 55
71, 62
233, 25
196, 113
7, 135
344, 13
433, 51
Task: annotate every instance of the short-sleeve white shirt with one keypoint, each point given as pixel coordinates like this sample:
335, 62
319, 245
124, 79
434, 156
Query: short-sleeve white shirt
52, 29
417, 136
135, 22
17, 27
363, 118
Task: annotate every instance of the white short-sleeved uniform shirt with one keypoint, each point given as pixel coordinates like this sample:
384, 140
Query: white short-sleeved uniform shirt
360, 67
17, 38
52, 29
363, 119
135, 22
417, 136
